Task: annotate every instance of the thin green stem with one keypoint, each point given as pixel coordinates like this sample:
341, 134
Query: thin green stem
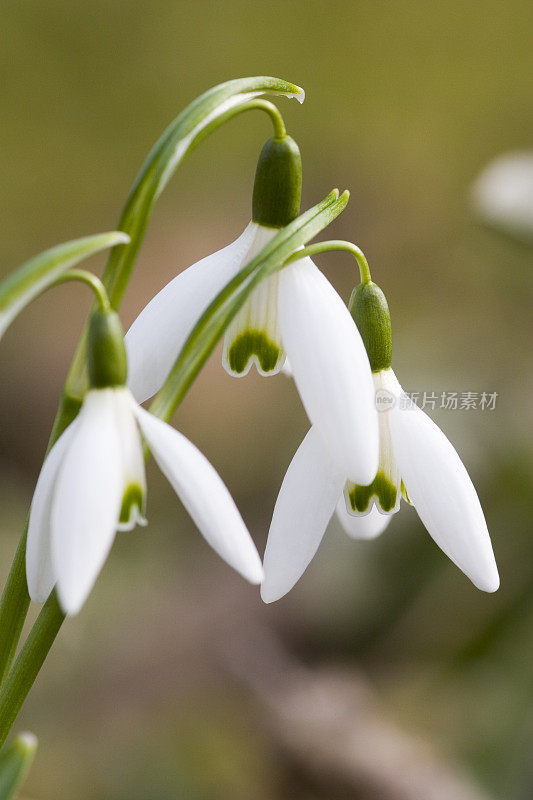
28, 663
273, 111
90, 280
13, 608
257, 104
336, 244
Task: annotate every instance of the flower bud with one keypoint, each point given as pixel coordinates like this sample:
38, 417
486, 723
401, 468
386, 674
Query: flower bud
368, 306
278, 183
106, 351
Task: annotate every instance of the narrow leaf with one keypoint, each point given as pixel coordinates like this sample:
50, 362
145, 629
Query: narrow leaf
35, 276
214, 321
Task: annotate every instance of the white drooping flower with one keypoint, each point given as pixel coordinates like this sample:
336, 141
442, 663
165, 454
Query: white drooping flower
417, 462
503, 194
93, 483
294, 313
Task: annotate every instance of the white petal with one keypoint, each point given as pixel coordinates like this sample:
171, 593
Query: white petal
39, 572
156, 337
362, 527
86, 501
330, 368
305, 504
132, 457
203, 494
443, 494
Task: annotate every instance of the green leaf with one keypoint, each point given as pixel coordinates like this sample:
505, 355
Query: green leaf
15, 763
39, 273
214, 321
202, 116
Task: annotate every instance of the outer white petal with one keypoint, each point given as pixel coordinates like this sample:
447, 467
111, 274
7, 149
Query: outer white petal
362, 527
330, 368
305, 505
154, 340
39, 572
443, 494
86, 501
203, 494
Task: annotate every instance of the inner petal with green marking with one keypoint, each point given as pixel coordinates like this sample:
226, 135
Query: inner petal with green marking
133, 508
387, 489
382, 491
254, 336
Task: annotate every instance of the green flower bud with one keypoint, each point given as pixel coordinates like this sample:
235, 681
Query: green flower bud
368, 306
106, 351
278, 183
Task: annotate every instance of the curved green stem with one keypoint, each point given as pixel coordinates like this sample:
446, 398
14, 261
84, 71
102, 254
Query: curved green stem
269, 108
90, 280
336, 244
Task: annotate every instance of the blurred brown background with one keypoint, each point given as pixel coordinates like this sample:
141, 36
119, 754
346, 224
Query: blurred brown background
384, 673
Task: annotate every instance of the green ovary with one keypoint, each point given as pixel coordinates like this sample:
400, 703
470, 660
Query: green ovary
133, 498
253, 343
383, 488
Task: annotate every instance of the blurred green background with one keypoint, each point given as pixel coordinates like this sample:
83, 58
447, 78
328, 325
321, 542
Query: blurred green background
168, 684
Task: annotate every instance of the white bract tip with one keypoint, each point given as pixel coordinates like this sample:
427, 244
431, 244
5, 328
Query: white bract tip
300, 95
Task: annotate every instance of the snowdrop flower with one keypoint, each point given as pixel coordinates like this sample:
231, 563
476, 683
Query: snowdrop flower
295, 312
503, 194
93, 483
416, 462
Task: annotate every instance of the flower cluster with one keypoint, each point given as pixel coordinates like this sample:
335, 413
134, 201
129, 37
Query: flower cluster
368, 446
